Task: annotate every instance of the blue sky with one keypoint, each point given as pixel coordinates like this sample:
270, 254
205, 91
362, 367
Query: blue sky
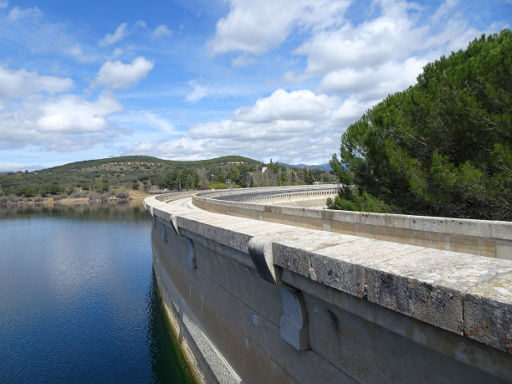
196, 79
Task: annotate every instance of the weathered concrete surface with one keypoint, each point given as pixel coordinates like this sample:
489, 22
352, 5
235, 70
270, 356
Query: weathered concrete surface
353, 309
281, 205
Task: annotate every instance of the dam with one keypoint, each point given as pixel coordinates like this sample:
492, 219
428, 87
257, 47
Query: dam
264, 285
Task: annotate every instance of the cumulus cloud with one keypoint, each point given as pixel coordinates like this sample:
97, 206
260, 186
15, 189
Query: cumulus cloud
22, 83
112, 38
161, 31
350, 63
373, 82
389, 36
298, 125
383, 54
73, 114
115, 74
257, 26
350, 110
296, 106
65, 123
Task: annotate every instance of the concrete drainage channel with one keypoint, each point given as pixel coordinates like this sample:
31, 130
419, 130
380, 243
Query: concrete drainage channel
259, 300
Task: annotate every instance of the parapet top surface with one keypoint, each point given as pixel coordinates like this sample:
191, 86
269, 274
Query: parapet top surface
465, 294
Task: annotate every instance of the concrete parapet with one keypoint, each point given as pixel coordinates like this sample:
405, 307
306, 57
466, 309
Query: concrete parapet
292, 304
479, 237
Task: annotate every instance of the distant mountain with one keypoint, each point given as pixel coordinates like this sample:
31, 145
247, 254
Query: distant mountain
323, 167
151, 162
128, 172
145, 172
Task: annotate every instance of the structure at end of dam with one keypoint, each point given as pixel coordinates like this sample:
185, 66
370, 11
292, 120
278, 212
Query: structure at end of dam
264, 285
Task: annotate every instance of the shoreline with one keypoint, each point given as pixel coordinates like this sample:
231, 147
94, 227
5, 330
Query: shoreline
134, 198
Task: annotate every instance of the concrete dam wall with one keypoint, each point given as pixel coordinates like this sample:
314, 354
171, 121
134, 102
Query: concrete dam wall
264, 293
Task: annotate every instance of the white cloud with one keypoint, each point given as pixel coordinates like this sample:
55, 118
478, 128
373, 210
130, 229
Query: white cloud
141, 118
360, 63
73, 114
350, 111
117, 52
200, 89
301, 105
373, 82
182, 149
390, 36
78, 54
369, 60
161, 31
65, 123
444, 10
112, 38
257, 26
115, 74
16, 13
21, 83
383, 54
242, 61
197, 93
4, 4
291, 126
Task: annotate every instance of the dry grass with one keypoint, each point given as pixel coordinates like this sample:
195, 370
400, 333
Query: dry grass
83, 198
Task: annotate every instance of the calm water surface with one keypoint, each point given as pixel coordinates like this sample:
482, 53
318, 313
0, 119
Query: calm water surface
78, 302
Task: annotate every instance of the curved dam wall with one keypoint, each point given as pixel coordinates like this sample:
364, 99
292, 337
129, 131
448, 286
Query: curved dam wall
261, 302
291, 205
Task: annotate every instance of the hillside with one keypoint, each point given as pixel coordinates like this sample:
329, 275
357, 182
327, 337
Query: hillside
444, 146
112, 175
137, 161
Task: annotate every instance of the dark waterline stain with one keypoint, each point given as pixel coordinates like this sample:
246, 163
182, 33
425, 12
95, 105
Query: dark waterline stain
78, 300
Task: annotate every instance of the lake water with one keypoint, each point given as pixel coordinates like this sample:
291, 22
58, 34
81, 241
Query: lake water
78, 302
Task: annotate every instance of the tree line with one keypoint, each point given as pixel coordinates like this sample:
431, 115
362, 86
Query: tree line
442, 147
145, 173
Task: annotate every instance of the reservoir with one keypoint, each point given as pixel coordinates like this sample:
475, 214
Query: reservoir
78, 301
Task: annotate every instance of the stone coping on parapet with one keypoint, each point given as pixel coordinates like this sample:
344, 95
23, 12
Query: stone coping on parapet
481, 228
481, 237
465, 294
263, 193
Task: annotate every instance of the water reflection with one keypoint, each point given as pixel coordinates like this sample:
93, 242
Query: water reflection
81, 212
167, 363
78, 301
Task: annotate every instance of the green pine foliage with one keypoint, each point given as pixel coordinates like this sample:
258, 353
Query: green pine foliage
442, 147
